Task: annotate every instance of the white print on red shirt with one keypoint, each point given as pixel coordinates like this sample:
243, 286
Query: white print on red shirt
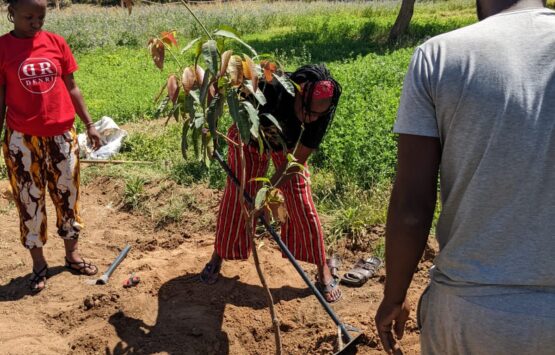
37, 75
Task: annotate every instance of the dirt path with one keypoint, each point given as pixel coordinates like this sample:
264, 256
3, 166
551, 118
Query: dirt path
169, 312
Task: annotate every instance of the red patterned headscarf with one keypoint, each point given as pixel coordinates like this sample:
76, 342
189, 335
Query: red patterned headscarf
322, 90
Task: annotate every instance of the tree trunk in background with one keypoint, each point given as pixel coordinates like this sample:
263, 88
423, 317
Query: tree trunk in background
403, 20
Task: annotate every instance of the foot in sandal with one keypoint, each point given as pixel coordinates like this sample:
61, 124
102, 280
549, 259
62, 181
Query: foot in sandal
328, 283
211, 271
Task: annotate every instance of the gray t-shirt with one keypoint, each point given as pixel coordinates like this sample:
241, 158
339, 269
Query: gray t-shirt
488, 92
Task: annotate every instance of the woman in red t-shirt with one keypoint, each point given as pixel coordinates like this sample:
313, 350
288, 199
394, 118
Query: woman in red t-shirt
38, 100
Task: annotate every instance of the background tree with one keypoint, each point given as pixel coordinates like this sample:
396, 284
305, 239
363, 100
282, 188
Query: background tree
403, 20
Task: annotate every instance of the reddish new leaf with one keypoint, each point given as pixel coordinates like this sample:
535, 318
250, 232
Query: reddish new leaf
252, 74
188, 80
235, 70
212, 90
275, 202
173, 88
268, 68
157, 51
200, 75
169, 38
225, 61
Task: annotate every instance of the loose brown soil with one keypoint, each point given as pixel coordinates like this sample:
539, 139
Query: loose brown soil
169, 311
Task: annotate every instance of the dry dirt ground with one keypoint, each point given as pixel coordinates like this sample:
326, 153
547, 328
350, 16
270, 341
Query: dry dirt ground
169, 311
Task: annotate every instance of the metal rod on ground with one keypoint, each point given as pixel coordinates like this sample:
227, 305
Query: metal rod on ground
287, 253
104, 278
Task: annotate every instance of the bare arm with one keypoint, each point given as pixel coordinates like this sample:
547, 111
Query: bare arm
81, 109
409, 219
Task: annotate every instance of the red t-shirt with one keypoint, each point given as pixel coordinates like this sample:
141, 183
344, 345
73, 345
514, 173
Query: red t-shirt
32, 70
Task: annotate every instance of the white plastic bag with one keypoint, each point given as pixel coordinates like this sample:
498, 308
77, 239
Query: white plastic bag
111, 135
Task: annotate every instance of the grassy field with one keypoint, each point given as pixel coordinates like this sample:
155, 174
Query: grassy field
355, 164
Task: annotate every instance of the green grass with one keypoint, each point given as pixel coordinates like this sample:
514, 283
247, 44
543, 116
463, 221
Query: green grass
120, 82
134, 193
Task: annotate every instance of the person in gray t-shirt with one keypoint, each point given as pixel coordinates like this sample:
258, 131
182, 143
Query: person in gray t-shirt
478, 108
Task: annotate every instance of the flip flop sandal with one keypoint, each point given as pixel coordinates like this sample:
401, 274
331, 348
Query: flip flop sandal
209, 270
38, 276
82, 265
361, 272
327, 289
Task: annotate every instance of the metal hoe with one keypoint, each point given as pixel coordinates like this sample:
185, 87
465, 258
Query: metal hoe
347, 344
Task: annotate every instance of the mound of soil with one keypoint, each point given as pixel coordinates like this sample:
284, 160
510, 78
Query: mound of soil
169, 311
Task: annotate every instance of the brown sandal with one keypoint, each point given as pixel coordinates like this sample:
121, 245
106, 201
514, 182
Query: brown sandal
81, 267
38, 277
361, 272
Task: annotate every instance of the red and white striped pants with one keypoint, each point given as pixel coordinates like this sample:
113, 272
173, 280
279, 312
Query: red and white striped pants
302, 233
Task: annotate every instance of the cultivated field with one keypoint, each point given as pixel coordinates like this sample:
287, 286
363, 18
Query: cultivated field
166, 209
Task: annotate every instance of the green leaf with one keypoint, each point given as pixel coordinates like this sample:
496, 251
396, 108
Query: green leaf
176, 111
209, 151
197, 143
210, 54
220, 43
260, 145
195, 94
232, 35
239, 114
205, 156
190, 45
258, 95
199, 120
198, 50
184, 131
261, 179
291, 157
294, 164
260, 198
215, 111
222, 82
189, 106
286, 83
162, 107
230, 29
233, 103
253, 117
273, 120
204, 88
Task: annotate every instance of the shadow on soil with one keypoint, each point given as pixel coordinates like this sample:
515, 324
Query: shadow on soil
191, 316
19, 287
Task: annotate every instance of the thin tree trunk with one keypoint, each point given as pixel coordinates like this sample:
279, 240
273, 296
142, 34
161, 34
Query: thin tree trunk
273, 314
403, 20
249, 221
